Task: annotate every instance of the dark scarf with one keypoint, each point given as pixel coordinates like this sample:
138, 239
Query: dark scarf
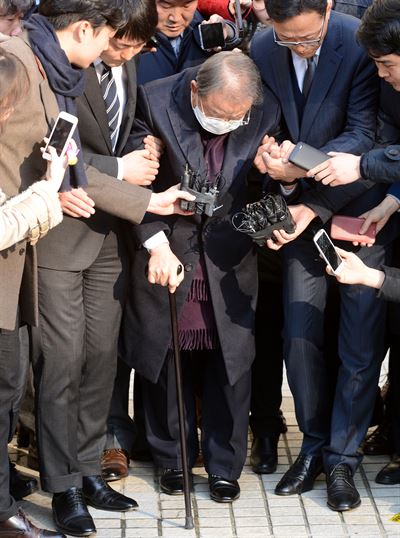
66, 81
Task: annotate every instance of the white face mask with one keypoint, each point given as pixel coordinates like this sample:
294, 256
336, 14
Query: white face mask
216, 125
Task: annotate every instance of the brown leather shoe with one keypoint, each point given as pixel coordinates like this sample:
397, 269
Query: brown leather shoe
19, 526
114, 464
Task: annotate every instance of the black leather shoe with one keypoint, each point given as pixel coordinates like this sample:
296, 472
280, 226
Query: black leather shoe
21, 485
171, 481
342, 493
300, 477
100, 495
264, 454
390, 474
378, 443
223, 490
70, 513
19, 526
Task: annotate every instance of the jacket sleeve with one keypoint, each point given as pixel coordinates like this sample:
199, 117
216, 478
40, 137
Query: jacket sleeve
390, 289
381, 165
29, 215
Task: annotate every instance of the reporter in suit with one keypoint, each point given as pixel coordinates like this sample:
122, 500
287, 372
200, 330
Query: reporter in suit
218, 99
379, 33
328, 91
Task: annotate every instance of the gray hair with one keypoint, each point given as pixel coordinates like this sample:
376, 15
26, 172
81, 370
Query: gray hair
232, 73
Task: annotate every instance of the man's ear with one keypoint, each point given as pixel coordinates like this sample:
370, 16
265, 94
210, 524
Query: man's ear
193, 86
82, 30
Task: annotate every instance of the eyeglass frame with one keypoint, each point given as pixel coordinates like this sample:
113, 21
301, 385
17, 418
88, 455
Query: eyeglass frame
245, 120
306, 42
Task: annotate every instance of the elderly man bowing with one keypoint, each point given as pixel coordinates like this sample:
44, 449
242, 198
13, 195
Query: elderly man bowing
212, 121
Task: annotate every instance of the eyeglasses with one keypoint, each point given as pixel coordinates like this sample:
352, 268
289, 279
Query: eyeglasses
310, 43
241, 122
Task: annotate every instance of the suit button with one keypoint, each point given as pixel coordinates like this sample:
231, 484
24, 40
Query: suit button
21, 251
188, 267
393, 152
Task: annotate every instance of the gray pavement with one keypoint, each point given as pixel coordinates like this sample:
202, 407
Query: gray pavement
258, 512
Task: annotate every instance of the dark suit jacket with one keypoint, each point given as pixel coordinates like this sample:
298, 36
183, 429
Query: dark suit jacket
164, 62
340, 113
229, 255
21, 164
75, 243
383, 164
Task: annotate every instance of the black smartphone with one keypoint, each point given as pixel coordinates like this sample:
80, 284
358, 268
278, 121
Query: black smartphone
211, 35
327, 250
306, 157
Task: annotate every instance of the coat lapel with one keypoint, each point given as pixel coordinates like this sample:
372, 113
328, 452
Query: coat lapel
94, 98
185, 125
328, 64
238, 146
281, 68
130, 106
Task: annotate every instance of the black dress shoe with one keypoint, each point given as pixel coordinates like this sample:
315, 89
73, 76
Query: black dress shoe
342, 493
19, 526
21, 485
379, 442
264, 454
70, 513
100, 495
223, 490
390, 474
300, 477
171, 481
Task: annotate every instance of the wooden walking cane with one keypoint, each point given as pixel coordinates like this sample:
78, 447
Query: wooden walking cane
181, 407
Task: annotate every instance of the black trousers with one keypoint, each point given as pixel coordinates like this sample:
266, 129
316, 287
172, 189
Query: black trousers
12, 375
80, 315
224, 422
266, 385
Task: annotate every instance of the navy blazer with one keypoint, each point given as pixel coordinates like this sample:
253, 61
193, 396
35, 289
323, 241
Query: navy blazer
229, 255
164, 62
341, 109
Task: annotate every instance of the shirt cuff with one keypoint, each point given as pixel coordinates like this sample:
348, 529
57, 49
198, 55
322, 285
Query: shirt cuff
390, 195
155, 241
120, 164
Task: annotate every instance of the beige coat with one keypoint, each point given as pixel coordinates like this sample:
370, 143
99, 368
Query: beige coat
29, 215
20, 162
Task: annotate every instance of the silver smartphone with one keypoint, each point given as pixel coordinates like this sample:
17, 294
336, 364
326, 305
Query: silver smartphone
327, 250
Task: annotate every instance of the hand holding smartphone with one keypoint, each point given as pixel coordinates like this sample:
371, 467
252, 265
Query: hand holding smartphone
307, 157
327, 251
211, 35
61, 134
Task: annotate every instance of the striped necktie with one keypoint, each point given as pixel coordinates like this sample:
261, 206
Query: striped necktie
110, 96
309, 75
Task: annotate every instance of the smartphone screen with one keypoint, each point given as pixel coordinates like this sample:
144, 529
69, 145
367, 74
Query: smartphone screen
211, 35
60, 134
327, 249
